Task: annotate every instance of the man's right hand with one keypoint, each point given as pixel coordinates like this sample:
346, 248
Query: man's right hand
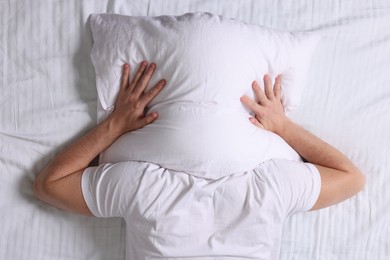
129, 112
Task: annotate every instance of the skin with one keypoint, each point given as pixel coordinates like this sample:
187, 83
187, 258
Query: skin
340, 178
59, 183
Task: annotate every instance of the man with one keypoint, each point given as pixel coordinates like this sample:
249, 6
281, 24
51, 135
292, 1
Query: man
67, 183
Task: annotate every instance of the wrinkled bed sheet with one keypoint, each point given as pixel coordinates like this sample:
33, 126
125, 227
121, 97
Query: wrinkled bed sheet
48, 99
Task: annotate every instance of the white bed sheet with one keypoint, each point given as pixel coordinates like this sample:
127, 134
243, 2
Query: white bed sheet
48, 99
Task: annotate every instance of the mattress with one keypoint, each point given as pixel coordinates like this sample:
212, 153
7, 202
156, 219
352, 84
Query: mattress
48, 99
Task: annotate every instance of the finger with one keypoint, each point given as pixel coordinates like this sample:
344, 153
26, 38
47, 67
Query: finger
249, 103
143, 82
148, 119
277, 86
256, 122
125, 76
151, 94
268, 87
259, 93
141, 69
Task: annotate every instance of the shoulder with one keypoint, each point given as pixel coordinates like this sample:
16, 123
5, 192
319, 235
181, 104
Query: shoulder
296, 185
285, 169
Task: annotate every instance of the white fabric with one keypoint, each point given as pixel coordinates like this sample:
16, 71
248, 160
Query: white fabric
174, 215
206, 58
209, 62
48, 99
200, 140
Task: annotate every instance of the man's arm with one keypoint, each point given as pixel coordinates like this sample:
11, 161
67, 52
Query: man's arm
59, 184
340, 178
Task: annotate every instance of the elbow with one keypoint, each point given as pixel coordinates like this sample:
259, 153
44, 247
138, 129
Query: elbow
37, 188
40, 188
361, 181
358, 180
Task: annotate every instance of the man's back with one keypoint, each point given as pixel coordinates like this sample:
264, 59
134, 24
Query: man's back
177, 215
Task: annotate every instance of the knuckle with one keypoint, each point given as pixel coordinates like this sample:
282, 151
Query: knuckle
150, 119
138, 105
151, 93
261, 113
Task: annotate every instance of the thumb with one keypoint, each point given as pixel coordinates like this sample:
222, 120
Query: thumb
149, 118
256, 122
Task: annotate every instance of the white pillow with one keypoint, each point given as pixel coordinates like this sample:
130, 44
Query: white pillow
209, 62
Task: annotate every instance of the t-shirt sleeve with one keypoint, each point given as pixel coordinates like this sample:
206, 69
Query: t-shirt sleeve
97, 186
107, 188
298, 185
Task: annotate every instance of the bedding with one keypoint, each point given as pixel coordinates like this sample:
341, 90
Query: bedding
209, 62
48, 98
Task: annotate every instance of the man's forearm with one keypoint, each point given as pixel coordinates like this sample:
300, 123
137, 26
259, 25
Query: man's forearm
313, 149
79, 154
59, 184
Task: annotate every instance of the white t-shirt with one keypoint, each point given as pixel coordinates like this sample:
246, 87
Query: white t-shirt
175, 215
